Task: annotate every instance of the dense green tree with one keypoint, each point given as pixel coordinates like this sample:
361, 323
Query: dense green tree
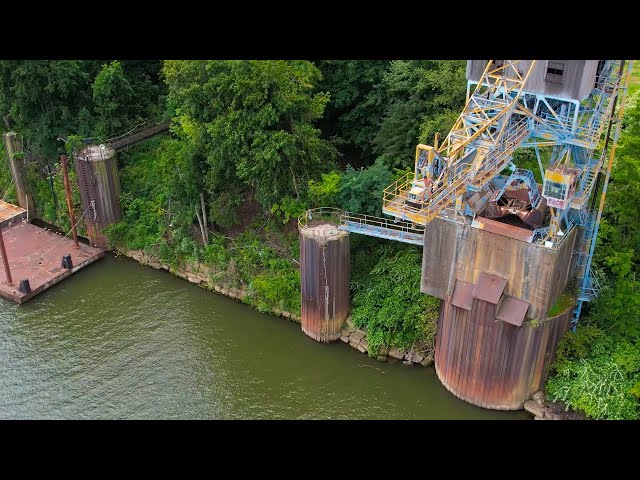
43, 99
618, 249
597, 369
361, 190
113, 96
425, 97
254, 120
356, 106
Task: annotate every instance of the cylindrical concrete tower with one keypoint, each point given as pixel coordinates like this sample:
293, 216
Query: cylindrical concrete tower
99, 183
324, 280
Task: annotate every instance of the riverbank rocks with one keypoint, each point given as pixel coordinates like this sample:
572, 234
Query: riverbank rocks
542, 409
357, 336
344, 339
416, 358
428, 360
350, 323
381, 358
539, 397
397, 354
533, 408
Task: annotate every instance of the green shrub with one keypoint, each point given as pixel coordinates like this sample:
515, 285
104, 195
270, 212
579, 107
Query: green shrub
388, 301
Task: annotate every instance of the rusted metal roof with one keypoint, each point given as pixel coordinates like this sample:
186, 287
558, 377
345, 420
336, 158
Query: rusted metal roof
463, 295
512, 310
489, 288
504, 229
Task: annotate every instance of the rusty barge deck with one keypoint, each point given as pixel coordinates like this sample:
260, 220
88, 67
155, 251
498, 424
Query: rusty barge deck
36, 254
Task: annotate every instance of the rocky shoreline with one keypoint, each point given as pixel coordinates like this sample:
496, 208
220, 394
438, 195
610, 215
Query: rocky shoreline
200, 275
541, 409
357, 339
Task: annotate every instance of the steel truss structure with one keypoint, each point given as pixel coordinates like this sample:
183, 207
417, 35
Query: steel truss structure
501, 116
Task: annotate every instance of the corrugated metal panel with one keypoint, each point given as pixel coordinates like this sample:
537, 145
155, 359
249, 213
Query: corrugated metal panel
512, 310
494, 364
536, 274
578, 79
463, 295
489, 288
324, 282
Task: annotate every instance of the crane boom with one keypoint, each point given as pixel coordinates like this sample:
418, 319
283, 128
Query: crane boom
480, 144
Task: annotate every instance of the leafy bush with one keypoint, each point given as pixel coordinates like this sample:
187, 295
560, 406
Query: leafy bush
323, 192
289, 208
388, 301
280, 289
603, 386
361, 190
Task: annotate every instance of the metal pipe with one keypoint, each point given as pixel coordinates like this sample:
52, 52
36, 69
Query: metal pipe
5, 260
67, 190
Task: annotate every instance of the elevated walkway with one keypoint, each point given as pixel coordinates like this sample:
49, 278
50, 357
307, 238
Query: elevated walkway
135, 137
369, 225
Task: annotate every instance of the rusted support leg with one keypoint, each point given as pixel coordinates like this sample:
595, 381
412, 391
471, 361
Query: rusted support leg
5, 260
67, 190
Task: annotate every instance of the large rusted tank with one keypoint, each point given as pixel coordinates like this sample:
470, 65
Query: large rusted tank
99, 183
495, 341
490, 362
324, 280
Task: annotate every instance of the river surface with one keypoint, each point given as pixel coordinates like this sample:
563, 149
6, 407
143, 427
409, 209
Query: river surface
118, 340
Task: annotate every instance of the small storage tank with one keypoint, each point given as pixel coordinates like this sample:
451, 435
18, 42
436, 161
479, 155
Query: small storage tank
99, 183
324, 280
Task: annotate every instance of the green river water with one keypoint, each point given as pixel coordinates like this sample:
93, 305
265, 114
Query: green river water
118, 340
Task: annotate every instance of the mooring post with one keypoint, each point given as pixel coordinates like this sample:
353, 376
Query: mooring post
67, 190
5, 260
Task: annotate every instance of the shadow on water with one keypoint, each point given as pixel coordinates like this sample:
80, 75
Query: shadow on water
119, 340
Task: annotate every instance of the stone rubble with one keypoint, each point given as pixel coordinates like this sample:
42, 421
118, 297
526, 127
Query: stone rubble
542, 409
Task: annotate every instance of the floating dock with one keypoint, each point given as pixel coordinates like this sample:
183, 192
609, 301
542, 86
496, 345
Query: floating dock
35, 254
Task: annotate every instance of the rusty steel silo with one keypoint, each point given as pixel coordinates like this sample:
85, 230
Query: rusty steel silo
324, 278
99, 182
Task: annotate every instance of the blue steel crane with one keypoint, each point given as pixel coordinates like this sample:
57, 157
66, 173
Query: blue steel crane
456, 179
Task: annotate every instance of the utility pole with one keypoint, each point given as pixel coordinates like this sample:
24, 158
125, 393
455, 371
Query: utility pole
67, 189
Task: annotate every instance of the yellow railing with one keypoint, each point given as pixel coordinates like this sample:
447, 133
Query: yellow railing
322, 213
